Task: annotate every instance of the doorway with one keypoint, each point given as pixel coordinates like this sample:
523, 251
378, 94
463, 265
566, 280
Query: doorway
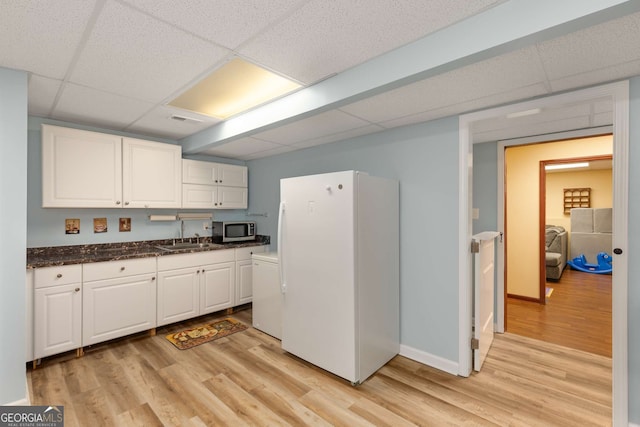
571, 308
617, 95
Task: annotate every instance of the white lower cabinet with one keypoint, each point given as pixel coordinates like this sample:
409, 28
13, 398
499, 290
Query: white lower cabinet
217, 285
118, 299
178, 295
84, 304
190, 285
244, 273
57, 324
29, 316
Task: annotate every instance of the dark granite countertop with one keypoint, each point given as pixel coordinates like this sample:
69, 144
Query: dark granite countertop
83, 254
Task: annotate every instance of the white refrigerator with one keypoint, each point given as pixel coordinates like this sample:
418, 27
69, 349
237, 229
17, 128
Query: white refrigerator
338, 248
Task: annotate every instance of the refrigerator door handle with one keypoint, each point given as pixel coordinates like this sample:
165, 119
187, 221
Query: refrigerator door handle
283, 284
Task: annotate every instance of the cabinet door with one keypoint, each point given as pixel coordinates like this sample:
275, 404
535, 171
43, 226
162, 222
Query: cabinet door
80, 168
58, 319
117, 307
178, 294
232, 175
232, 198
151, 174
217, 285
197, 196
199, 172
244, 282
29, 316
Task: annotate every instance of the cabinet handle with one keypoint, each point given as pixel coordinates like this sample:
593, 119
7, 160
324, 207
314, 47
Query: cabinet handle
153, 278
59, 275
122, 268
77, 289
126, 203
117, 202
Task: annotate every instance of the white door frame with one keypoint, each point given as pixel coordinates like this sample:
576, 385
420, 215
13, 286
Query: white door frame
619, 95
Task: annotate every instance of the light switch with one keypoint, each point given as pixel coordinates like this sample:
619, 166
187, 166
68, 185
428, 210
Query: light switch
475, 213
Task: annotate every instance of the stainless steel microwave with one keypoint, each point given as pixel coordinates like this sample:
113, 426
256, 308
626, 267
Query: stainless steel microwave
233, 231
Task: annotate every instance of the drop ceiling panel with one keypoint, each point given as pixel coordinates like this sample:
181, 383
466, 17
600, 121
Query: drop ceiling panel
228, 23
495, 76
42, 94
328, 123
280, 150
532, 129
41, 37
366, 130
129, 53
158, 122
242, 147
589, 78
82, 105
547, 115
595, 48
326, 37
464, 107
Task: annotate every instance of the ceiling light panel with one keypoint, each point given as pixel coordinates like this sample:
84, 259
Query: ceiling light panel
235, 87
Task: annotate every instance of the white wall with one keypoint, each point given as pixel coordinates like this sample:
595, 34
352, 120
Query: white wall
424, 159
13, 229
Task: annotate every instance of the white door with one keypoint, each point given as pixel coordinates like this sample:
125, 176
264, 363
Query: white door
117, 307
316, 251
80, 168
484, 296
178, 295
217, 287
151, 174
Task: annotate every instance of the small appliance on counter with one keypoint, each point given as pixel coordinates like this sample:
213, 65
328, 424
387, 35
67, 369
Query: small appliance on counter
233, 231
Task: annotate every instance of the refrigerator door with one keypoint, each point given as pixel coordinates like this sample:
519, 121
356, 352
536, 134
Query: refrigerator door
317, 260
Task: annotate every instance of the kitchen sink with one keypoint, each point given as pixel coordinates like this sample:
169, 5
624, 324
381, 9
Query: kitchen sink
187, 245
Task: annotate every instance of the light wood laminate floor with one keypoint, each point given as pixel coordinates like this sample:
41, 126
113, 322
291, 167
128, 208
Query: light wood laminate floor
246, 379
577, 315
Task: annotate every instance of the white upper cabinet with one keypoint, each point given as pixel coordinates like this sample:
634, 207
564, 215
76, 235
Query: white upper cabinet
233, 176
197, 172
209, 173
151, 174
208, 185
82, 169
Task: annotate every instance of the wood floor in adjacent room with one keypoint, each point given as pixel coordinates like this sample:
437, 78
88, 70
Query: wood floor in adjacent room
246, 379
576, 315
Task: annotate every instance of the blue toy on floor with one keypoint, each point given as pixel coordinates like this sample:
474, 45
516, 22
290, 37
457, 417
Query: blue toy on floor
603, 267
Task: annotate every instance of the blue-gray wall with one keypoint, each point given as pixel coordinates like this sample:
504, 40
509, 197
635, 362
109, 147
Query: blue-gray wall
13, 226
424, 158
46, 226
634, 251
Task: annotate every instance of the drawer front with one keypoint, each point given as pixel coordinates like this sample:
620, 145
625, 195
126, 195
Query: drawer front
171, 262
243, 254
56, 276
114, 269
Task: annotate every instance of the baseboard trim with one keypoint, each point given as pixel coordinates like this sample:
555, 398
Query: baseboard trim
429, 359
634, 425
522, 297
